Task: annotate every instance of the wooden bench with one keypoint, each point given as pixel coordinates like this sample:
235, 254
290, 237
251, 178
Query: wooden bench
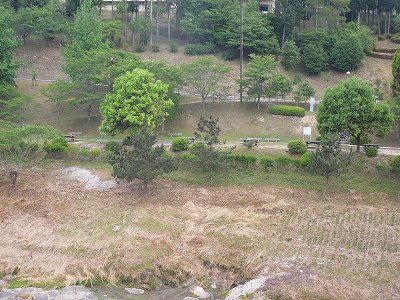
177, 134
371, 145
271, 140
313, 144
255, 140
74, 133
69, 137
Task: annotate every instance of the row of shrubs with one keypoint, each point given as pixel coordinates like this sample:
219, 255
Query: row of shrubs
286, 110
388, 56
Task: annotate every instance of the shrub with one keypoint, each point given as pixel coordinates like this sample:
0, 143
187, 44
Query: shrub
89, 154
305, 159
243, 159
371, 151
382, 167
395, 39
286, 161
395, 165
180, 144
381, 38
139, 48
230, 54
200, 49
197, 146
173, 48
296, 78
267, 162
347, 53
364, 140
297, 147
56, 146
189, 157
155, 48
288, 110
249, 144
112, 146
315, 59
290, 55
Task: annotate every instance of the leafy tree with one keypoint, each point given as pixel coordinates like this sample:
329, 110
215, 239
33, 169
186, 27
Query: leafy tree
258, 76
8, 43
304, 92
85, 34
315, 59
396, 86
12, 103
208, 131
137, 100
204, 76
50, 20
347, 52
328, 161
290, 55
137, 158
24, 22
279, 85
142, 28
18, 144
112, 32
350, 107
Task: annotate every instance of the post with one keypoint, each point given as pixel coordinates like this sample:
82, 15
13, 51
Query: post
151, 22
241, 51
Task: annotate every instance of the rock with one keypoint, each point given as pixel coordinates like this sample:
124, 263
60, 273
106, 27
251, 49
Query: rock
116, 228
190, 298
214, 285
245, 289
3, 282
200, 292
134, 291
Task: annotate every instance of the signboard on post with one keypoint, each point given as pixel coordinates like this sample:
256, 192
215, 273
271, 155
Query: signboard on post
307, 132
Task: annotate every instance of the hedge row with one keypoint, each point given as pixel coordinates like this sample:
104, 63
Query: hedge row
288, 110
388, 56
383, 50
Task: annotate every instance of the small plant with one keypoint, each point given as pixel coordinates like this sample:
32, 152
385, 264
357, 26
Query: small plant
56, 147
296, 78
155, 48
180, 144
242, 159
395, 165
139, 48
89, 154
267, 162
230, 54
197, 146
371, 151
173, 48
112, 146
249, 144
382, 167
297, 147
305, 159
288, 110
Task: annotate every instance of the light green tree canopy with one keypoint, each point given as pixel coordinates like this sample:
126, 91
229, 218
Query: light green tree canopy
137, 100
304, 91
350, 107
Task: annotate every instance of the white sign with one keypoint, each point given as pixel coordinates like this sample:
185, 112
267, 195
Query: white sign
307, 131
312, 104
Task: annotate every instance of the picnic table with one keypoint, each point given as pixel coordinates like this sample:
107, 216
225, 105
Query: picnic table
313, 144
258, 140
371, 145
70, 136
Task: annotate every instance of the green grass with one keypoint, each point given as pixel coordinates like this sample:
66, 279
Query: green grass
23, 283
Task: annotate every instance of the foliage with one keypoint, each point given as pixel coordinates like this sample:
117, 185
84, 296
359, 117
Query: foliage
200, 49
50, 21
395, 165
208, 131
328, 161
290, 55
112, 32
297, 147
315, 59
279, 85
173, 48
137, 100
112, 146
89, 154
396, 74
142, 28
198, 145
371, 151
8, 43
56, 146
204, 76
304, 92
180, 144
267, 162
305, 159
347, 52
350, 107
138, 159
258, 76
12, 103
288, 110
243, 159
155, 48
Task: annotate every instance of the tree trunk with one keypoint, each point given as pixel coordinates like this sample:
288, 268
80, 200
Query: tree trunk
388, 27
386, 23
241, 51
169, 22
358, 17
89, 113
316, 18
258, 102
203, 99
283, 35
368, 17
379, 23
158, 21
146, 183
146, 10
358, 140
151, 22
112, 9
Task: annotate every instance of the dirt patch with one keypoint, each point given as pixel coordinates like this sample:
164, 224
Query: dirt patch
86, 177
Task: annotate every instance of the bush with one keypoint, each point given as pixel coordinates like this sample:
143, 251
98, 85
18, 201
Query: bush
347, 52
90, 154
267, 162
288, 110
56, 146
315, 59
395, 165
364, 140
173, 48
296, 78
249, 144
230, 54
381, 38
395, 39
290, 55
297, 147
155, 48
112, 146
189, 157
139, 48
305, 159
200, 49
198, 146
243, 159
382, 167
286, 161
371, 151
180, 144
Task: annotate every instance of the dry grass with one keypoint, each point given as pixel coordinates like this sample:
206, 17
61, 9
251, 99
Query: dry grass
52, 228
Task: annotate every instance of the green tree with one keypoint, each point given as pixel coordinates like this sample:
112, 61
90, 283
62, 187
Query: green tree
85, 33
347, 52
304, 92
280, 85
24, 22
328, 161
208, 131
204, 75
315, 59
142, 29
49, 21
137, 100
396, 86
258, 76
18, 144
350, 107
112, 32
290, 55
12, 104
8, 43
137, 158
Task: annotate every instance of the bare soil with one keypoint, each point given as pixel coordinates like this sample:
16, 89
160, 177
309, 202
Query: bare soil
52, 228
